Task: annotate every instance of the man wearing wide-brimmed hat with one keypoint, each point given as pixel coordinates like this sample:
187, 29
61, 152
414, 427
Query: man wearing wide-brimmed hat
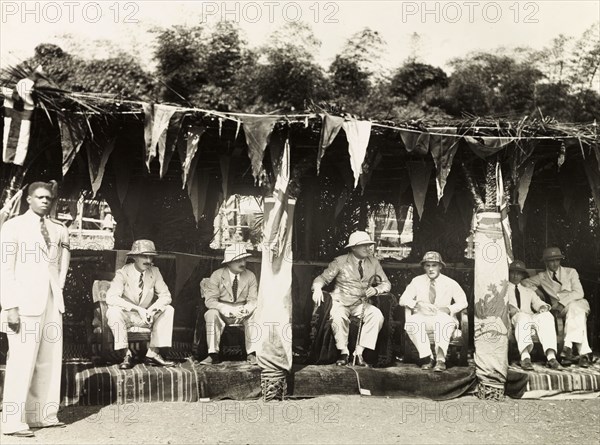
138, 296
434, 299
353, 274
230, 296
561, 284
527, 312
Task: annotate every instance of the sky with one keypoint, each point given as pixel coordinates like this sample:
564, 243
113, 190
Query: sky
447, 29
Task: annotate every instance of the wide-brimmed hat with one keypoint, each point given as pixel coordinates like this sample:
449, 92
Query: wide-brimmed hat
359, 238
235, 252
552, 253
518, 266
432, 257
143, 247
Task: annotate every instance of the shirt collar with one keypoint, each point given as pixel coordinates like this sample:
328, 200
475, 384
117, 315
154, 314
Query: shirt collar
232, 275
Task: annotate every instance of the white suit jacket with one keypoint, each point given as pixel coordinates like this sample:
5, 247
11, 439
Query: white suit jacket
530, 301
448, 293
29, 268
569, 289
124, 289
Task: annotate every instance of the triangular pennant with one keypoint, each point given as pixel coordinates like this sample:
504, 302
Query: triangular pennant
484, 146
148, 133
415, 141
443, 149
73, 132
188, 150
524, 181
197, 190
593, 175
98, 152
165, 152
329, 130
18, 111
370, 164
419, 173
448, 192
122, 174
257, 131
224, 163
358, 134
519, 155
160, 124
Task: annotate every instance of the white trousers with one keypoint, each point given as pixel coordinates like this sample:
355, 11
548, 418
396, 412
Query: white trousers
543, 324
119, 320
576, 325
215, 325
340, 324
418, 327
33, 370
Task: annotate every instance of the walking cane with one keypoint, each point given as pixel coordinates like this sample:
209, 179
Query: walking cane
374, 281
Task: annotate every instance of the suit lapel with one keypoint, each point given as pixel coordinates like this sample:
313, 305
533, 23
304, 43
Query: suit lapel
226, 280
243, 282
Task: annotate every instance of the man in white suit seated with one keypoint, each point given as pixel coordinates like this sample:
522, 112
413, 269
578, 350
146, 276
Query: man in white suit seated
35, 261
138, 296
434, 299
230, 296
527, 312
563, 287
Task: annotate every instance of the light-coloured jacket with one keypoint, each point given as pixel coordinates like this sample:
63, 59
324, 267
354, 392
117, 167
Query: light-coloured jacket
530, 301
448, 293
29, 268
568, 291
124, 289
349, 287
218, 293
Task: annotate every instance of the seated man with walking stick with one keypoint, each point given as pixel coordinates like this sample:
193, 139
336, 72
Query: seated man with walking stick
353, 273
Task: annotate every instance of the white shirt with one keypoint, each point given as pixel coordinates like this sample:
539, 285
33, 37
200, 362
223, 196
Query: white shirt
446, 291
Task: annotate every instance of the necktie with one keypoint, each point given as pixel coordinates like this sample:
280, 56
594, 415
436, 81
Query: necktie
555, 278
45, 232
234, 288
141, 285
361, 272
432, 291
518, 296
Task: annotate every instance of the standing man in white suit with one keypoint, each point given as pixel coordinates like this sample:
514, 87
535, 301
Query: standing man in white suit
34, 264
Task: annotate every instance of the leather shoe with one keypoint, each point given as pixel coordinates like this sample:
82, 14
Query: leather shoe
22, 433
584, 361
553, 364
343, 360
566, 356
526, 364
360, 361
157, 360
212, 359
440, 366
127, 362
428, 364
252, 359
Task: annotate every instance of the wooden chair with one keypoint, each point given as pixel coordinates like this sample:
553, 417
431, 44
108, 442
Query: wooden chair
101, 339
232, 339
458, 348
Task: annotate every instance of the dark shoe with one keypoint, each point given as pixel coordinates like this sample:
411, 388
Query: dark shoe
553, 364
584, 361
212, 359
157, 360
252, 359
360, 361
127, 362
526, 364
429, 364
439, 366
22, 433
566, 356
343, 360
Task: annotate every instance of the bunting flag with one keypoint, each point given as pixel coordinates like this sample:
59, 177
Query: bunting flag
18, 110
369, 166
519, 157
224, 163
419, 173
187, 153
160, 124
415, 141
166, 150
98, 152
358, 134
448, 192
524, 181
148, 131
443, 149
197, 191
593, 175
258, 131
484, 146
122, 174
329, 130
73, 132
503, 205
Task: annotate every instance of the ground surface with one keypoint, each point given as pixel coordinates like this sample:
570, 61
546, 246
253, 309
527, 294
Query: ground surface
331, 419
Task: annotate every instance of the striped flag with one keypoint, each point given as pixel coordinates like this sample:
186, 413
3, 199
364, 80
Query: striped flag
18, 108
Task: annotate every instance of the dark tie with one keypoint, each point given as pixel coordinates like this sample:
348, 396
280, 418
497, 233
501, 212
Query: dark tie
234, 288
432, 291
518, 296
141, 285
555, 278
361, 272
45, 232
